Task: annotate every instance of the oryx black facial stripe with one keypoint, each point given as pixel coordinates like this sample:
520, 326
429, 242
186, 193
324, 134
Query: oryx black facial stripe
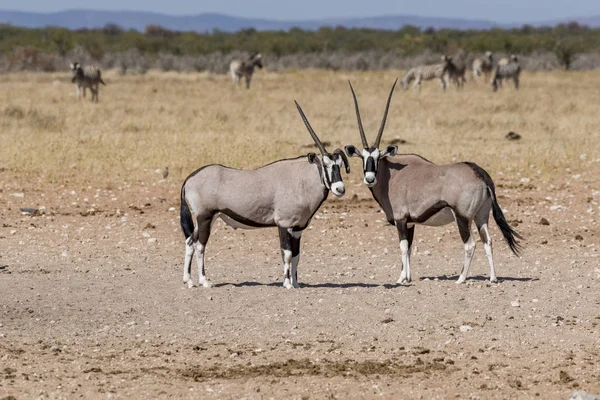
370, 165
336, 175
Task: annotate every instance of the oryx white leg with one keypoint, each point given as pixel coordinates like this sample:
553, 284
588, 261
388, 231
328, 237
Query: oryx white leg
290, 253
287, 260
405, 234
469, 251
200, 258
78, 91
464, 228
187, 265
405, 274
487, 244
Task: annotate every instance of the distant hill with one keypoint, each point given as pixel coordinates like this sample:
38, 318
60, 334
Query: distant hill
138, 20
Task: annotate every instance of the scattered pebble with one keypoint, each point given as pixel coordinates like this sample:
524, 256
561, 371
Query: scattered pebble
465, 328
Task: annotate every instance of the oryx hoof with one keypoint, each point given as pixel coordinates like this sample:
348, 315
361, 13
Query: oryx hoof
189, 283
493, 279
205, 283
288, 285
460, 280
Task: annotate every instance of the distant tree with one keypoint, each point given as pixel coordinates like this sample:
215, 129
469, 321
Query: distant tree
429, 31
62, 41
111, 29
566, 52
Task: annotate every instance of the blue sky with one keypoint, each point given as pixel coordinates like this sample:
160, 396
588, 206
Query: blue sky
496, 10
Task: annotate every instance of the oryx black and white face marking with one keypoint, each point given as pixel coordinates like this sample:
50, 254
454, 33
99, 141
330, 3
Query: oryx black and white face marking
332, 164
371, 158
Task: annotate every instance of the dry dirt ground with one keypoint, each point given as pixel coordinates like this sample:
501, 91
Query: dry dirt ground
92, 303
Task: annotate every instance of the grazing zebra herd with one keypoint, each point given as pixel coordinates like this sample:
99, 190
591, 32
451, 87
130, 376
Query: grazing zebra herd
287, 193
450, 70
447, 71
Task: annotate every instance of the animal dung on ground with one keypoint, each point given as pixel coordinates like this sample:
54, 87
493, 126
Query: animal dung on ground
398, 140
310, 146
513, 136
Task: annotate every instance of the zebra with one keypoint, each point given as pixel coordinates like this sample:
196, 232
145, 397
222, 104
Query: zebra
483, 66
85, 77
427, 72
245, 68
506, 69
456, 71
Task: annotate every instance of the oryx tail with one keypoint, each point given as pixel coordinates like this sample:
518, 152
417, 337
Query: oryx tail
510, 235
185, 216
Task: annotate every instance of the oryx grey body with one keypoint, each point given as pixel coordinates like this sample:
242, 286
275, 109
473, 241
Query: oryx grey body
507, 68
239, 69
89, 76
425, 73
483, 66
284, 194
412, 190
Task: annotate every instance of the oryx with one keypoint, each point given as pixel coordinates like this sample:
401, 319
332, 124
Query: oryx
284, 194
412, 190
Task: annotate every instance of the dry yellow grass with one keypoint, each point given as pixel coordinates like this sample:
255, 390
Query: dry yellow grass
188, 120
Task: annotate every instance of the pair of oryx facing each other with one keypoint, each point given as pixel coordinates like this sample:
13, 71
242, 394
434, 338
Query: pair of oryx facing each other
287, 193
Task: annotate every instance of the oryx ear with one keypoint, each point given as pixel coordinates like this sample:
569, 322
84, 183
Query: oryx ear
312, 158
344, 159
389, 151
352, 151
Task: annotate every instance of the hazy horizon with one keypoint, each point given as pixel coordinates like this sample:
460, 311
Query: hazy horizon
503, 11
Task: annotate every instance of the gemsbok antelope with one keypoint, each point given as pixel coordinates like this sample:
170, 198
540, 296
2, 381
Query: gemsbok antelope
284, 194
239, 68
88, 77
412, 190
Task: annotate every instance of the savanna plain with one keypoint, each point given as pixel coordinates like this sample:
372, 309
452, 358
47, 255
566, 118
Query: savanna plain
92, 303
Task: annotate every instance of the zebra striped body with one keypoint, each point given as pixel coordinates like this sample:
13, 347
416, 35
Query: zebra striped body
483, 66
506, 69
426, 73
245, 68
87, 77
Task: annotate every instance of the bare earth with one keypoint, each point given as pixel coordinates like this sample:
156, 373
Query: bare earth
92, 303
